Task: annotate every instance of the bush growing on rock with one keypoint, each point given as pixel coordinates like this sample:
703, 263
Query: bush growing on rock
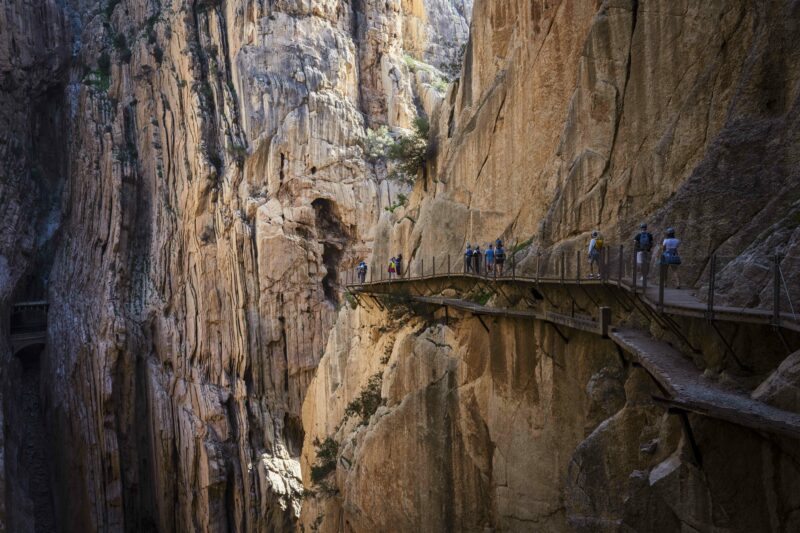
407, 152
367, 402
327, 451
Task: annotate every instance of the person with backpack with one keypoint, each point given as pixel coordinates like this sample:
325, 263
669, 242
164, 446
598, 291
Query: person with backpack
595, 251
670, 257
489, 257
642, 245
398, 263
499, 256
392, 267
362, 272
476, 259
468, 259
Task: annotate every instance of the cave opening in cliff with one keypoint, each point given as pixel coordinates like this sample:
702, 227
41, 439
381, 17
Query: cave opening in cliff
29, 496
332, 235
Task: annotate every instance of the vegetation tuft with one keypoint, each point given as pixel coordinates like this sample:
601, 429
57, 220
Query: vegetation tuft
367, 403
401, 201
327, 452
407, 152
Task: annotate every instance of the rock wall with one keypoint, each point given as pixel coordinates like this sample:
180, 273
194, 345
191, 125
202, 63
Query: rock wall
212, 185
569, 117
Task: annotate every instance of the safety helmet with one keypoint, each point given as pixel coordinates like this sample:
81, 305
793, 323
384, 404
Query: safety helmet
670, 232
595, 234
643, 225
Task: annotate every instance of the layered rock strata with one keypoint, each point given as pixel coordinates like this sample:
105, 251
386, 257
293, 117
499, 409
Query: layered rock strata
214, 190
571, 117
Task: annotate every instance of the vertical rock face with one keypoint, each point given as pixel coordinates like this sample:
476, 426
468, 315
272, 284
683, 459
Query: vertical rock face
214, 191
568, 117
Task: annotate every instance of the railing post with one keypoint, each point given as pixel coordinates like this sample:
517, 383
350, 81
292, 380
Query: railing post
633, 275
662, 279
776, 290
448, 265
538, 264
605, 321
422, 268
578, 266
604, 263
712, 279
621, 264
513, 267
563, 265
434, 266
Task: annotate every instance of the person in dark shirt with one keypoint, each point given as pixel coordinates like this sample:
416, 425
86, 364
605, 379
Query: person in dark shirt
642, 245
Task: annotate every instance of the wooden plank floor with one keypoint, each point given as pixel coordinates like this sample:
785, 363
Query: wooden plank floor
689, 390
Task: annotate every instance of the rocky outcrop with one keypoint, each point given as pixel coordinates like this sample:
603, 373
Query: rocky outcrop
215, 189
570, 117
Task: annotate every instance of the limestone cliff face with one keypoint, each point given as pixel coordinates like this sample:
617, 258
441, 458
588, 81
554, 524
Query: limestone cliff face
568, 117
214, 189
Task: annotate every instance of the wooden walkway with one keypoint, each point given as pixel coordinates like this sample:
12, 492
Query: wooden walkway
583, 323
682, 384
687, 389
677, 302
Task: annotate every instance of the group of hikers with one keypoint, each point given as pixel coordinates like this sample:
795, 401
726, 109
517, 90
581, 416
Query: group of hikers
643, 247
491, 261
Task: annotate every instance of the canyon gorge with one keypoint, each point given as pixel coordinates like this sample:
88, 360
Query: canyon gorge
187, 187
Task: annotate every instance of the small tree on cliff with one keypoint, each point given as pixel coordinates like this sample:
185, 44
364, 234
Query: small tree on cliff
405, 154
409, 152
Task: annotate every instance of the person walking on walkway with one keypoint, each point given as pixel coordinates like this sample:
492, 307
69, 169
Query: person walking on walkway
595, 249
476, 259
398, 263
392, 267
489, 257
362, 272
642, 245
468, 259
670, 257
499, 256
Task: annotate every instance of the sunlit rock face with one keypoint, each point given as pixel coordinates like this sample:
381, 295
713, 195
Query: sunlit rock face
201, 167
570, 117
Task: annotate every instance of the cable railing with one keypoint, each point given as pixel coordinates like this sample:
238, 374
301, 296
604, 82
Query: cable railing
705, 285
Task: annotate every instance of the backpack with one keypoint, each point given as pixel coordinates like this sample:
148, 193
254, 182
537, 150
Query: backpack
598, 243
645, 241
499, 253
468, 253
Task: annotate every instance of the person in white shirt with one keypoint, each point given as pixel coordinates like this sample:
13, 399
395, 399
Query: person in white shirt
670, 256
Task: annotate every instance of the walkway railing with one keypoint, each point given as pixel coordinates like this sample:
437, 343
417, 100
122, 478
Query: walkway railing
755, 286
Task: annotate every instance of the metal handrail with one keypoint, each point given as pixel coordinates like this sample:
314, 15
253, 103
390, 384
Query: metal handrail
625, 280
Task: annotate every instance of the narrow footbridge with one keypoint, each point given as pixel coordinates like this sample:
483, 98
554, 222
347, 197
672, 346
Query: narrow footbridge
682, 385
28, 325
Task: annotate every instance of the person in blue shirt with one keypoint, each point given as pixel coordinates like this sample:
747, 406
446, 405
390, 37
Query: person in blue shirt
489, 257
362, 272
499, 256
468, 259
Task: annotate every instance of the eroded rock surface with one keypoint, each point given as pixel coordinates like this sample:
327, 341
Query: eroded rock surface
570, 117
207, 170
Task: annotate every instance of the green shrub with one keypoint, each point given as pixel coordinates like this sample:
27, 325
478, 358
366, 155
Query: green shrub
409, 152
367, 402
327, 452
402, 200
